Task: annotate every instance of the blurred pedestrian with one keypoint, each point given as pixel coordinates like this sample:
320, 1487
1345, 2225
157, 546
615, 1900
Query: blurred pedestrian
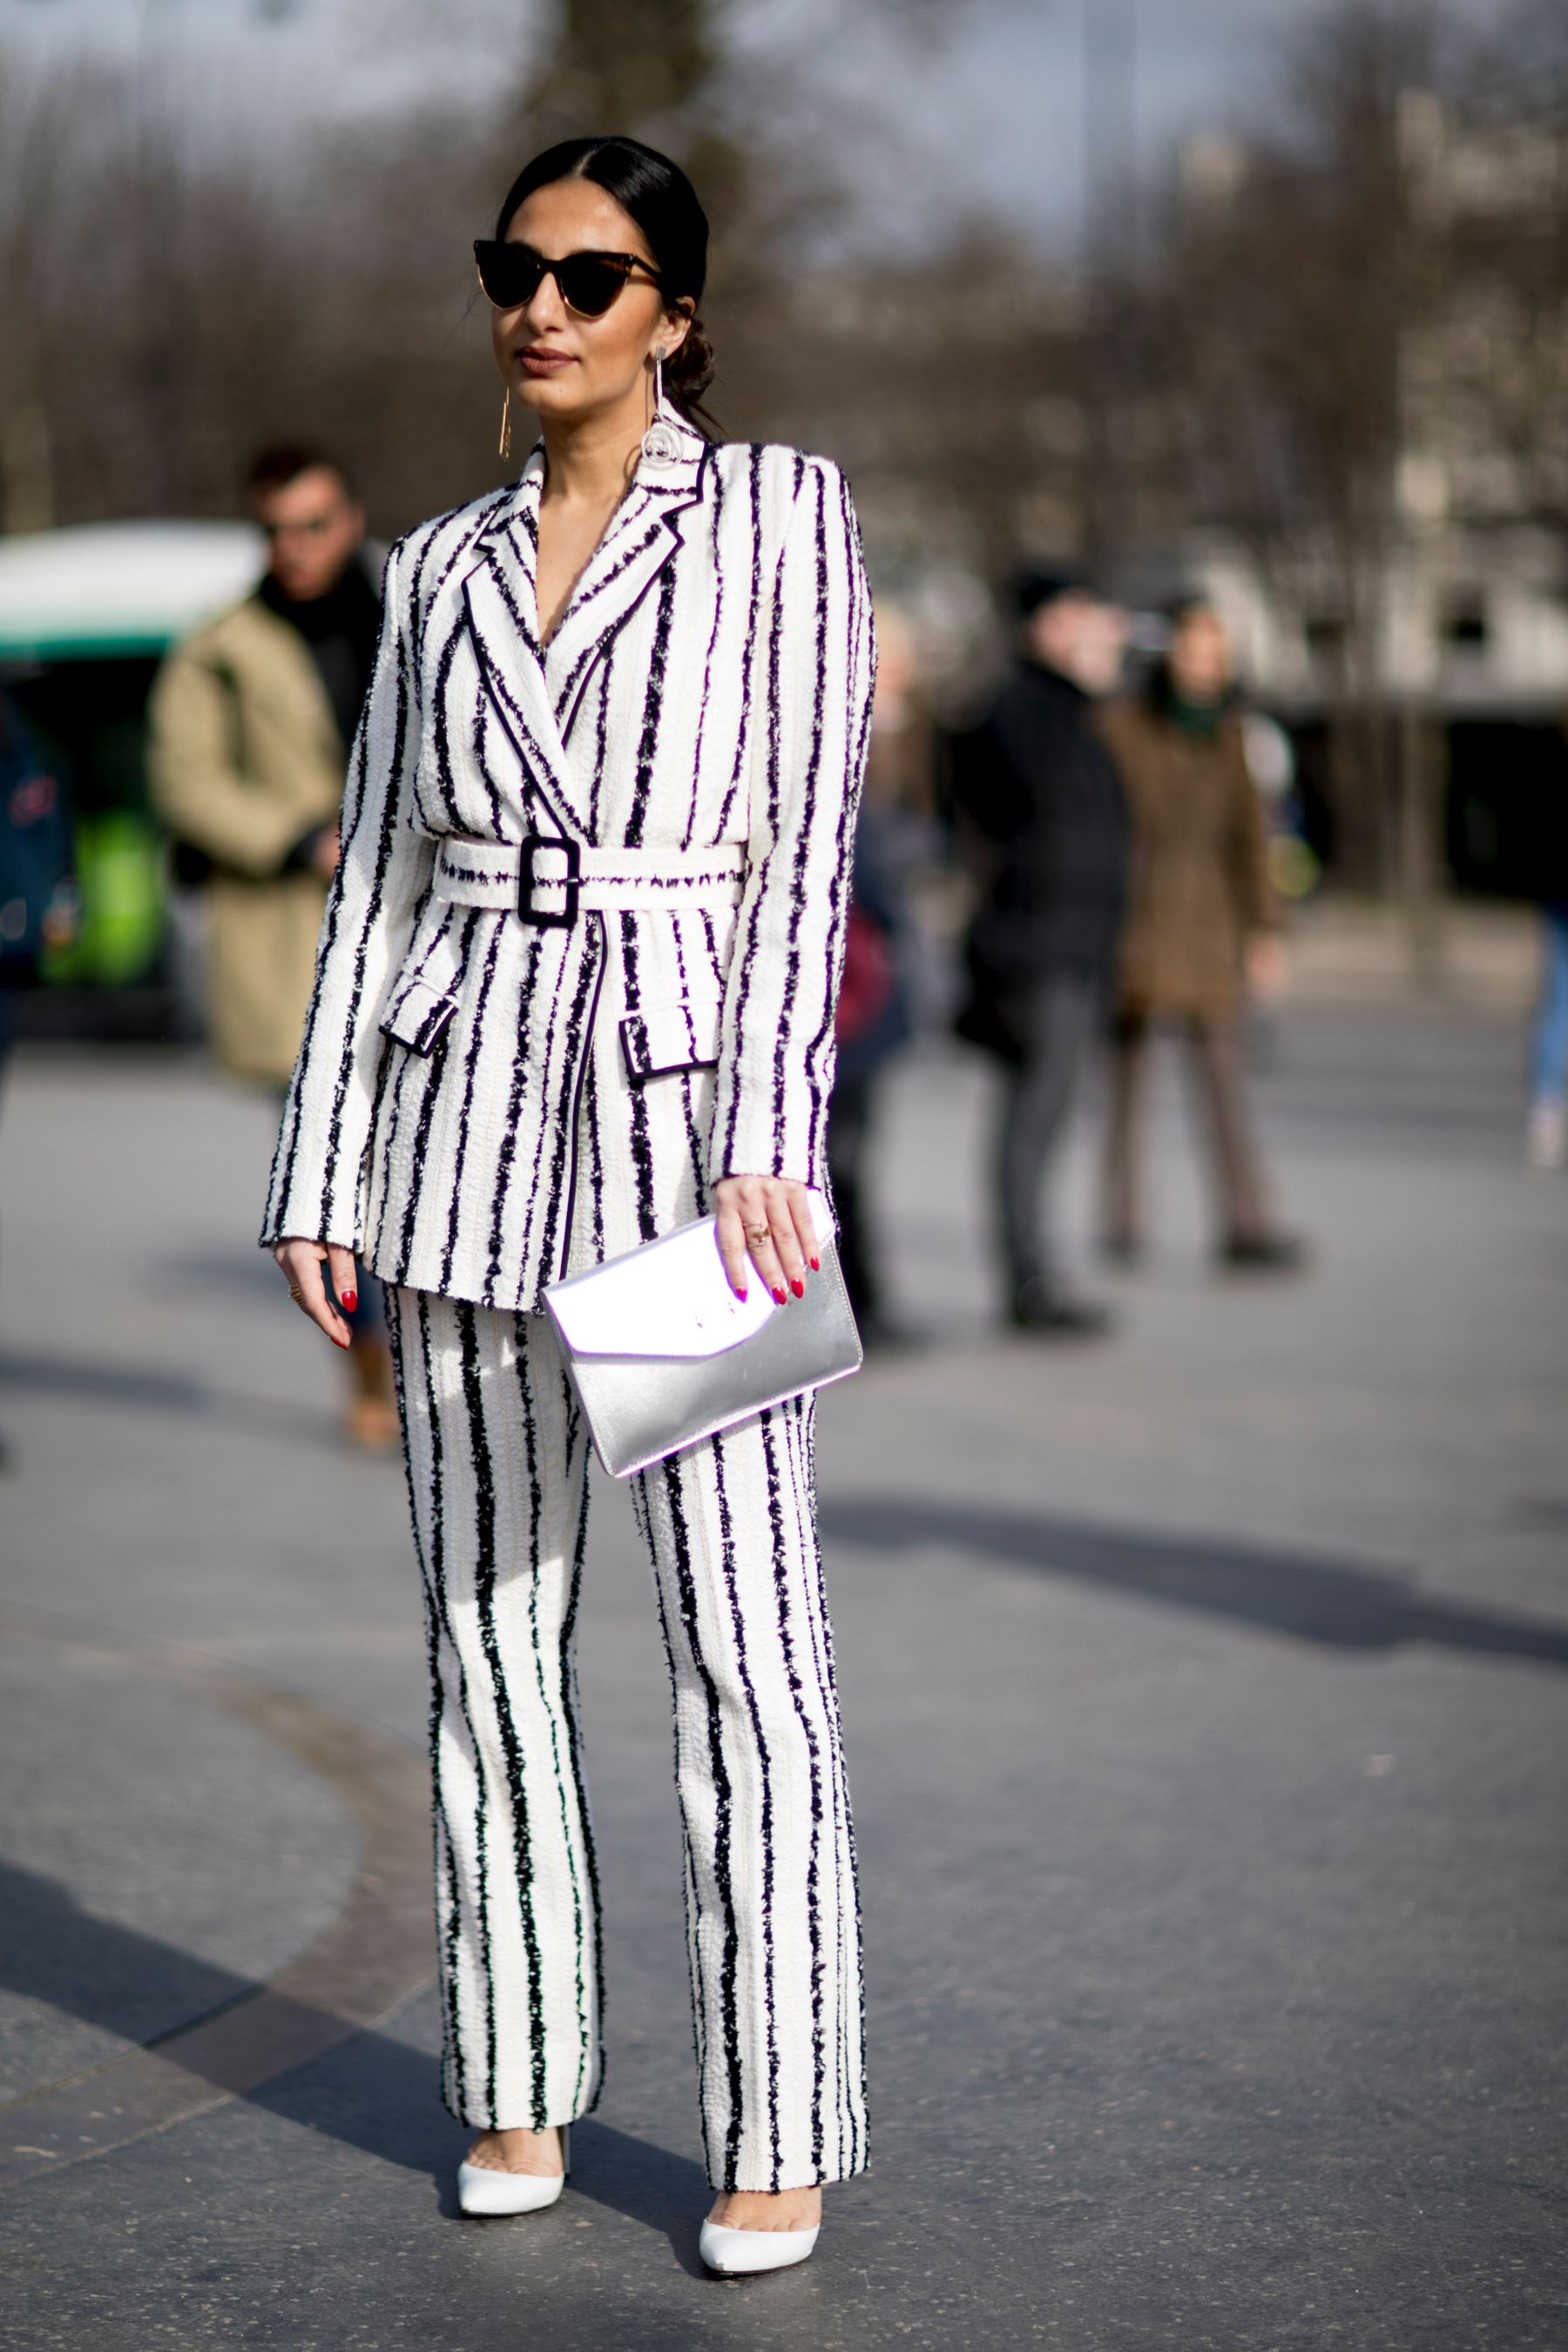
875, 1019
1547, 1141
1203, 923
251, 719
577, 988
1546, 1136
39, 901
1035, 784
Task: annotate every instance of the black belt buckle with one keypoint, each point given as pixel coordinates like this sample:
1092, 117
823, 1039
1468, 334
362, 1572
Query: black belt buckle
525, 885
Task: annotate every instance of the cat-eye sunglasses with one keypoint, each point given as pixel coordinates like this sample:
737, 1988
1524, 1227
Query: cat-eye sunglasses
589, 282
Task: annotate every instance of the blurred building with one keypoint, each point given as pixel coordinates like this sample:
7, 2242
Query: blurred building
1444, 624
1326, 385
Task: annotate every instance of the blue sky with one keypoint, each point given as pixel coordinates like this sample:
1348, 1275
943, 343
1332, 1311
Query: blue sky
987, 108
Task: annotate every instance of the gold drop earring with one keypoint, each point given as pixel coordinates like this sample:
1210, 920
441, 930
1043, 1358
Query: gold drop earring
505, 444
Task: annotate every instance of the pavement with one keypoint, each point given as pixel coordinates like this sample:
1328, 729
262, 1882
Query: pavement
1205, 1705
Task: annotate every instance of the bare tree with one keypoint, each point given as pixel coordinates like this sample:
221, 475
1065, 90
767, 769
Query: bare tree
950, 387
645, 66
329, 290
1294, 281
162, 310
1503, 192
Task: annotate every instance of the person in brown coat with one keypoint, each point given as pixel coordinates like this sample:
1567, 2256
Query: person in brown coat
1202, 923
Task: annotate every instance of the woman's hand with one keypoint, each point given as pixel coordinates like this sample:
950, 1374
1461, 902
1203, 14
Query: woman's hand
301, 1263
768, 1220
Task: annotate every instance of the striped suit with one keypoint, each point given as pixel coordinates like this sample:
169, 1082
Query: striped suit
506, 1076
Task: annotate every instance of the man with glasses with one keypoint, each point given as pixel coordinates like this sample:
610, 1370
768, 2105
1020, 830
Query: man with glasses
251, 721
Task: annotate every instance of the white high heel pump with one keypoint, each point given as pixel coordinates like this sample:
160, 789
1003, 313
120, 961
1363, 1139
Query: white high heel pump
737, 2253
481, 2190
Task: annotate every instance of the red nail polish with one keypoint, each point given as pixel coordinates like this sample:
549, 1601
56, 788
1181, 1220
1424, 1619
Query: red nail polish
781, 1296
350, 1300
798, 1287
816, 1265
741, 1295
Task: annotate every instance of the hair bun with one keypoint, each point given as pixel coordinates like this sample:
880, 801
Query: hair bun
688, 372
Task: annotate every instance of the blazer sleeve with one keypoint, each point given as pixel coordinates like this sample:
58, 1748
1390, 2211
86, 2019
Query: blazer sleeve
817, 668
382, 876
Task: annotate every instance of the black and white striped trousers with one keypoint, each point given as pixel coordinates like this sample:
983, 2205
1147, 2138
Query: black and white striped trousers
498, 1456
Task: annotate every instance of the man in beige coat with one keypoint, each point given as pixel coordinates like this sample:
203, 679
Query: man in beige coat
251, 721
248, 757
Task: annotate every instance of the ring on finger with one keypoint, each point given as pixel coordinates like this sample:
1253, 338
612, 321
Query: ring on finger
755, 1233
295, 1294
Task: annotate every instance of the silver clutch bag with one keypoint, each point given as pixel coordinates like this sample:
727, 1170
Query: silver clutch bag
661, 1352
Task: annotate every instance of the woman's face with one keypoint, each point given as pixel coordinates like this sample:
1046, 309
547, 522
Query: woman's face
556, 362
1200, 658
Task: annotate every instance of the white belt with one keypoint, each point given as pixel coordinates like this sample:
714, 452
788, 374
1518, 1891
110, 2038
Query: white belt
549, 881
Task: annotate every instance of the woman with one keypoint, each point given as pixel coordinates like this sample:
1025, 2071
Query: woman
577, 987
1202, 921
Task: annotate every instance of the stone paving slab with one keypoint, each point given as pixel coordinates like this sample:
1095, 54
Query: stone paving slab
221, 2032
1205, 1697
156, 1856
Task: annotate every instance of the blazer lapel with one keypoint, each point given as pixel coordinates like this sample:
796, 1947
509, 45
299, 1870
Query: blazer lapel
535, 690
503, 618
644, 533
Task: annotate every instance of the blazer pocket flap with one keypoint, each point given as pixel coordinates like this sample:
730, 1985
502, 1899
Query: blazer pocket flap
676, 1036
418, 1014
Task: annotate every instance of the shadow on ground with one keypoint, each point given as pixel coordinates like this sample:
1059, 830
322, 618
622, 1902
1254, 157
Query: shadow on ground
374, 2091
103, 1974
148, 1389
1327, 1600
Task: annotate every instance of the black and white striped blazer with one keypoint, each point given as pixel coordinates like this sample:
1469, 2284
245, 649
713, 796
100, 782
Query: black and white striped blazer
481, 1104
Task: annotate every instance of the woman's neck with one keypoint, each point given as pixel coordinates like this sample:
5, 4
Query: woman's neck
589, 465
1196, 714
589, 460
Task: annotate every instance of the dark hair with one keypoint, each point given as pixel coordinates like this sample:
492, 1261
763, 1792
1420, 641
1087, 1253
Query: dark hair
1185, 606
1038, 584
662, 201
282, 462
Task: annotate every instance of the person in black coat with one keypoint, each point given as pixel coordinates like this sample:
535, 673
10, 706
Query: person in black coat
1037, 787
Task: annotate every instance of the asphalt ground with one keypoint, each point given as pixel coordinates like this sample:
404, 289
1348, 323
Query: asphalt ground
1204, 1704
